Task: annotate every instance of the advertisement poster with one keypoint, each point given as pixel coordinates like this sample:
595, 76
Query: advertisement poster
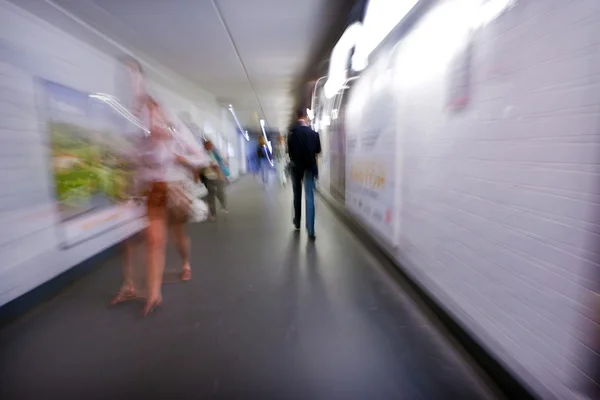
371, 152
90, 140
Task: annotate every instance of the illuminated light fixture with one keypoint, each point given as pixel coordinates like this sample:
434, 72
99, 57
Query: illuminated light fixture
314, 94
115, 105
381, 17
237, 122
491, 10
325, 121
339, 59
262, 126
334, 114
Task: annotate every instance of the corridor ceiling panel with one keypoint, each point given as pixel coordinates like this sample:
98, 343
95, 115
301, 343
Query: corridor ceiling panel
249, 53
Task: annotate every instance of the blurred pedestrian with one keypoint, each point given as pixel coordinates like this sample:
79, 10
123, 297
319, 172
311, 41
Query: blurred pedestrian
163, 165
215, 178
281, 160
264, 164
304, 146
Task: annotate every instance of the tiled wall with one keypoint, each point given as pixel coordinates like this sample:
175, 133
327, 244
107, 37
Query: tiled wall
31, 47
499, 212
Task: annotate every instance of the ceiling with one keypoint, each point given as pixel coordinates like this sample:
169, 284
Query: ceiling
252, 54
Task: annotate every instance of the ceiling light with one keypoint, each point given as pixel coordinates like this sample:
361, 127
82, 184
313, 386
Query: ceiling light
381, 17
115, 105
491, 10
339, 59
237, 122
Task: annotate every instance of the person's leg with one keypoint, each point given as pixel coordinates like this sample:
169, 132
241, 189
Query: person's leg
127, 291
264, 171
221, 195
156, 238
182, 242
281, 173
297, 189
309, 192
211, 197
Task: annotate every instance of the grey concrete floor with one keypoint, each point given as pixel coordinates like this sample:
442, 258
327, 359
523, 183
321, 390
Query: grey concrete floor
268, 315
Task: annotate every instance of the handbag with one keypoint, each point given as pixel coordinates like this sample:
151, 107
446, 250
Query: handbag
184, 200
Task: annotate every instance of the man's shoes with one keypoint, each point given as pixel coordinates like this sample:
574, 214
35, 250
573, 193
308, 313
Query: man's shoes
296, 225
312, 237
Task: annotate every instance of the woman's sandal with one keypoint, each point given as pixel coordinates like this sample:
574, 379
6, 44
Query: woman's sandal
151, 306
122, 296
186, 274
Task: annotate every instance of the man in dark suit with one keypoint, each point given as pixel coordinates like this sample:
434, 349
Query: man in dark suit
303, 147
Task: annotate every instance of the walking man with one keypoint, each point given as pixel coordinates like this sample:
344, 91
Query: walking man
303, 147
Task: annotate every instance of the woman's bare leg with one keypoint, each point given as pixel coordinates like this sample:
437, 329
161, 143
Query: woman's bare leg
182, 242
156, 235
127, 291
221, 195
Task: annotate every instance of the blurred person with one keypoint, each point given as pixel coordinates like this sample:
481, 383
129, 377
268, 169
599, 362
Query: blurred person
304, 145
281, 160
163, 174
161, 165
263, 160
215, 177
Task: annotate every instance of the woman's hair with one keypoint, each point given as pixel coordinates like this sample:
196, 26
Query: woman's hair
262, 141
132, 62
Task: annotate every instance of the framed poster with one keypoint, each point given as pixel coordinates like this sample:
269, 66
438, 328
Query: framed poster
371, 156
90, 140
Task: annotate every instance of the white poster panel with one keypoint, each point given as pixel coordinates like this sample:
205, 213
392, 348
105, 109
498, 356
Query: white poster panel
371, 151
91, 141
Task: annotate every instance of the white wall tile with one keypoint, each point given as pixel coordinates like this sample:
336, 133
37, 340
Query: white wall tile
500, 203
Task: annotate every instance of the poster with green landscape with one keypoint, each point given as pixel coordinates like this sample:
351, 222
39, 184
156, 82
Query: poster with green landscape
90, 142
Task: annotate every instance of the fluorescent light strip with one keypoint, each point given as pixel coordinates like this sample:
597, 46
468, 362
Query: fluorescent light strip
268, 145
491, 10
381, 17
237, 122
115, 105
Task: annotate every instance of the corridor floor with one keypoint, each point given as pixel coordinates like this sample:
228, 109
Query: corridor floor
267, 315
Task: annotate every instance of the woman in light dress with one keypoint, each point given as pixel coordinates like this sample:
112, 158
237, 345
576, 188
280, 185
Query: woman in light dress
162, 160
